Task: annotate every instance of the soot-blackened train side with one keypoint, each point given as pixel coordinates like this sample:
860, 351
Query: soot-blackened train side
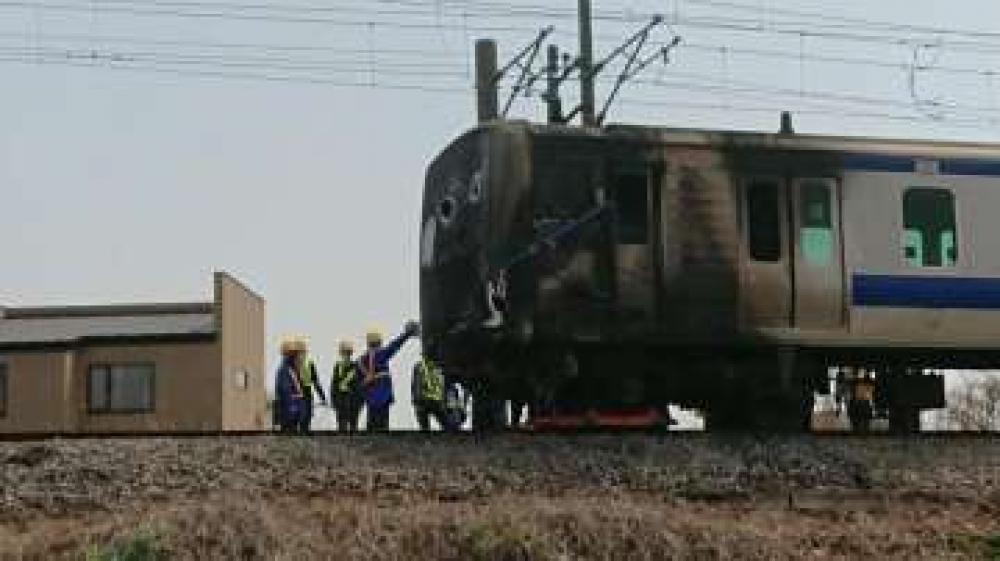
624, 268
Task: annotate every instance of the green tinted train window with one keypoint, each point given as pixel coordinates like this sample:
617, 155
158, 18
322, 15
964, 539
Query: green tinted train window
816, 217
929, 238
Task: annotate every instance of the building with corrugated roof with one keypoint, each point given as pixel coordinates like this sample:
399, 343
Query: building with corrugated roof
136, 368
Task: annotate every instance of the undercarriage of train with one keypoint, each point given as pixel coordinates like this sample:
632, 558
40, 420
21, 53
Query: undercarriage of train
593, 386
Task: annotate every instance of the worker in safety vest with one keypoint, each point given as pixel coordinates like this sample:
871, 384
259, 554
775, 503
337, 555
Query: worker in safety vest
289, 396
345, 389
375, 375
427, 390
859, 409
309, 381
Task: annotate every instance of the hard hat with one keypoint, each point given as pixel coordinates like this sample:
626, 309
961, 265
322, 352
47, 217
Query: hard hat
345, 346
293, 344
374, 336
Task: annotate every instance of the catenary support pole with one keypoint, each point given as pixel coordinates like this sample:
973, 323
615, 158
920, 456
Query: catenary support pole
552, 98
487, 104
587, 95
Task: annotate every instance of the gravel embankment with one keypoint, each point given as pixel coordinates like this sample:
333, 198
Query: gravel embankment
505, 497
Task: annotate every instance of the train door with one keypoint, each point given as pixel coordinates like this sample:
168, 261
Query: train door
793, 270
766, 295
635, 196
818, 265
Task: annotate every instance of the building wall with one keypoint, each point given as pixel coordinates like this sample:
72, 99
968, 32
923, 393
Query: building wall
240, 317
37, 391
187, 388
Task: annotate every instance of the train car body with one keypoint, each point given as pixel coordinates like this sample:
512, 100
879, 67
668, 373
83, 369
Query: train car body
723, 271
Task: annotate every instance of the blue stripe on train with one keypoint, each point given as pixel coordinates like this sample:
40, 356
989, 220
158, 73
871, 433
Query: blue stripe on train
896, 291
905, 164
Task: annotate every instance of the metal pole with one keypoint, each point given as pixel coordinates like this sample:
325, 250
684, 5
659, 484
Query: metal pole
552, 99
587, 95
487, 104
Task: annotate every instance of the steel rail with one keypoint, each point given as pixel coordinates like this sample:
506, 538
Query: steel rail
328, 434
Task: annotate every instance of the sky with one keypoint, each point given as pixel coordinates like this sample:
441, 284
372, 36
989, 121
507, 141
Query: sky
145, 144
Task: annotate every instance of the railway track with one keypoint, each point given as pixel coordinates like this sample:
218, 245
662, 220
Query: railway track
325, 434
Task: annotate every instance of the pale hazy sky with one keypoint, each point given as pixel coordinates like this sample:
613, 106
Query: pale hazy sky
134, 160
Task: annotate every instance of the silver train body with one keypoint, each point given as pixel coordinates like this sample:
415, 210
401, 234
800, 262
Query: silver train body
719, 270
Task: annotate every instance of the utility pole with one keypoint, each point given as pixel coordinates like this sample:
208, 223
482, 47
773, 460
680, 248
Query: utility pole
487, 105
587, 95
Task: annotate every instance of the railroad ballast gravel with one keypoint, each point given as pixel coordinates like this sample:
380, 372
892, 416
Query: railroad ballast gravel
105, 489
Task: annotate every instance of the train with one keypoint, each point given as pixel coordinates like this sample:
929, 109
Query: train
624, 269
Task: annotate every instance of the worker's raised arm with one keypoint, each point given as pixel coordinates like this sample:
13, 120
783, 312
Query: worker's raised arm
412, 328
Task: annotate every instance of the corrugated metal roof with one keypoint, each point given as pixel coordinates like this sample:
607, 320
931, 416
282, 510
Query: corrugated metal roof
65, 325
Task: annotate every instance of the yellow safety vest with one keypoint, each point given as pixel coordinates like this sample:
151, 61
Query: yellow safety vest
431, 382
344, 376
306, 372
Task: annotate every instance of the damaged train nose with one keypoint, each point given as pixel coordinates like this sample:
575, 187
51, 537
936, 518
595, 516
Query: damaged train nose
452, 248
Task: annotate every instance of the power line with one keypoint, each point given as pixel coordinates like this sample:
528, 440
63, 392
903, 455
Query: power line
270, 18
235, 11
265, 63
856, 61
831, 112
849, 21
310, 69
124, 65
708, 83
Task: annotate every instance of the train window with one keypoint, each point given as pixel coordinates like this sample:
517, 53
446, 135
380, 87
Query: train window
929, 227
631, 194
763, 220
816, 222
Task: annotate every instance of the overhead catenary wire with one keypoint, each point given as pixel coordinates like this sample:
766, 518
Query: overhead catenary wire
817, 28
325, 64
278, 73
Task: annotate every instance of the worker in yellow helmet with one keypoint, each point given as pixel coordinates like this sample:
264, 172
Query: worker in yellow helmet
309, 380
375, 375
345, 389
289, 398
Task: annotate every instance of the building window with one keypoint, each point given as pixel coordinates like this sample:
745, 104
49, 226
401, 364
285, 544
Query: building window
763, 221
3, 390
631, 193
242, 379
121, 388
816, 217
929, 238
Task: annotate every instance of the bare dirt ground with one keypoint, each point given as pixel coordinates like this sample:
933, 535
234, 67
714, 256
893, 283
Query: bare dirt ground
508, 497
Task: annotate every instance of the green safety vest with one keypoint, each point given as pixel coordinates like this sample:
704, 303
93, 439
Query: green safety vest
306, 376
344, 376
431, 382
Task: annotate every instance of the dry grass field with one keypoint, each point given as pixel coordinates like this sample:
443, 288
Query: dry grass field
502, 498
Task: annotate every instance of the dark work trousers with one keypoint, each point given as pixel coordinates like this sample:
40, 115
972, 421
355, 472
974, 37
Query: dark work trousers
348, 408
427, 409
378, 419
859, 411
305, 419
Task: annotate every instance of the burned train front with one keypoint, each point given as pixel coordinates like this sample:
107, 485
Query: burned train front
474, 193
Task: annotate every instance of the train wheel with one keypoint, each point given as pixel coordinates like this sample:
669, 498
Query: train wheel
904, 420
487, 409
